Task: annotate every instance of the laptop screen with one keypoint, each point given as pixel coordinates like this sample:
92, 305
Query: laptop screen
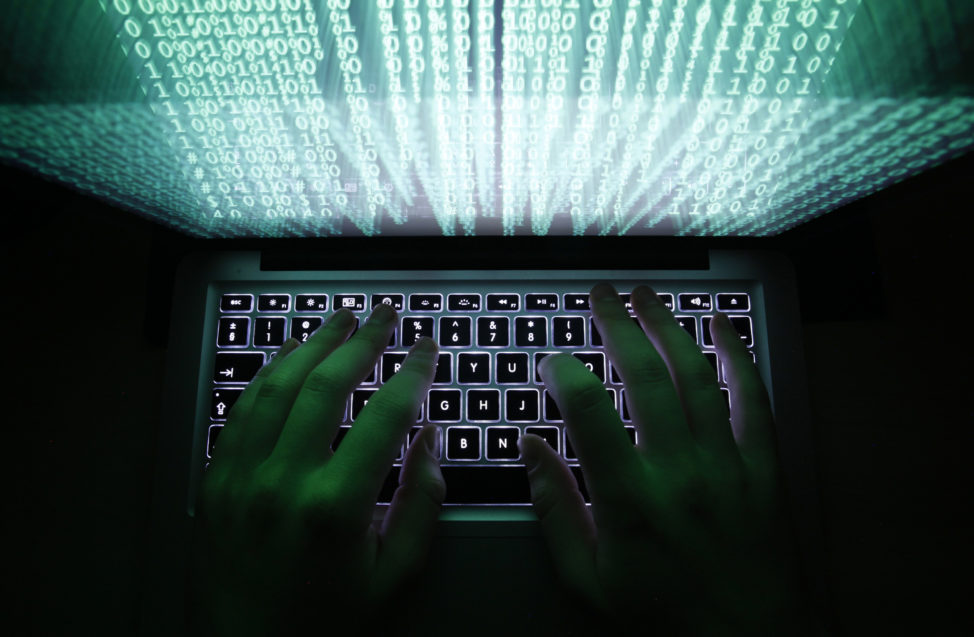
301, 118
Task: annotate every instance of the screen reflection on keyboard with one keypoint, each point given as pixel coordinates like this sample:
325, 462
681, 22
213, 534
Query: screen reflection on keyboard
486, 392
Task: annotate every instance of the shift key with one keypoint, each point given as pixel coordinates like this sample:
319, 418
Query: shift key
236, 367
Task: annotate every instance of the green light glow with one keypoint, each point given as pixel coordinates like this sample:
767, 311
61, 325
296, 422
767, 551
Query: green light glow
302, 118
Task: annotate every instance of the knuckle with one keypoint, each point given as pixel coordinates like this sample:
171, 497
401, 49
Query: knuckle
325, 380
274, 387
389, 405
327, 508
646, 371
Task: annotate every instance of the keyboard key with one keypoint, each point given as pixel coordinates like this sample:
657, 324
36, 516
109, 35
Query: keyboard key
512, 368
594, 361
537, 361
444, 369
302, 327
437, 447
463, 302
391, 363
425, 302
551, 435
736, 302
483, 405
596, 335
493, 331
455, 331
576, 302
689, 324
233, 331
614, 375
311, 303
502, 443
667, 299
339, 436
274, 303
486, 485
234, 367
569, 450
631, 432
743, 326
627, 301
712, 359
223, 400
551, 411
503, 302
473, 368
211, 437
580, 479
624, 412
353, 302
269, 331
415, 328
531, 331
237, 303
568, 331
541, 302
360, 398
462, 443
696, 302
521, 405
396, 301
444, 405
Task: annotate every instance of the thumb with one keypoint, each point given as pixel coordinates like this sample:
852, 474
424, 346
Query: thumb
566, 522
408, 526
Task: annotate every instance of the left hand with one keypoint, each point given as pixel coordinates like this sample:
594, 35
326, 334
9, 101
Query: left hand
284, 529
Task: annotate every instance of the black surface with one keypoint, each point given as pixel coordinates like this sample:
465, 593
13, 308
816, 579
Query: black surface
888, 367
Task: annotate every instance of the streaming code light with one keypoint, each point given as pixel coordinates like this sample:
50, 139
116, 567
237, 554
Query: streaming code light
317, 118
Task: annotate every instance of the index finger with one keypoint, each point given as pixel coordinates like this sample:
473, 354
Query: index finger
605, 451
362, 461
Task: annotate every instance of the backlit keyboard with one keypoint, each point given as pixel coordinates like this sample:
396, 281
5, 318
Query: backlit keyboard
486, 392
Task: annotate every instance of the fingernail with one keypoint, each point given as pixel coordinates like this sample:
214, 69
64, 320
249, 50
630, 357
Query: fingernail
382, 314
604, 292
529, 452
341, 319
425, 344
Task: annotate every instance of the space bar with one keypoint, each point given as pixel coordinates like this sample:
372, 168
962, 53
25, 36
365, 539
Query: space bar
486, 485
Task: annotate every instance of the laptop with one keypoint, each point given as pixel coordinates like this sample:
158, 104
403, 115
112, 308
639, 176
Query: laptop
479, 166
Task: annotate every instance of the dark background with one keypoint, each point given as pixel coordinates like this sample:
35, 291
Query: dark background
884, 287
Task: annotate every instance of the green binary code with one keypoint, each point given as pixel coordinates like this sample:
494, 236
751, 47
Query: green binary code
244, 118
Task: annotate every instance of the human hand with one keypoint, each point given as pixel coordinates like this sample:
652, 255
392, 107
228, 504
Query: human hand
688, 531
284, 536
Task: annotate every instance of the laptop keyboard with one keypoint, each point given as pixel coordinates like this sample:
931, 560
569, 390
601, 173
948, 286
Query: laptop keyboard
486, 391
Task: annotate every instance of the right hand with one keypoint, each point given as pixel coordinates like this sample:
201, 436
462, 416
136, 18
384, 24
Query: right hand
688, 531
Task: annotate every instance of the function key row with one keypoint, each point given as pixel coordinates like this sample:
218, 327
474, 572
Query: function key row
469, 302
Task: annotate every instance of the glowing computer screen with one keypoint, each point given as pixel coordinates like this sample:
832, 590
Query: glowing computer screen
281, 118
